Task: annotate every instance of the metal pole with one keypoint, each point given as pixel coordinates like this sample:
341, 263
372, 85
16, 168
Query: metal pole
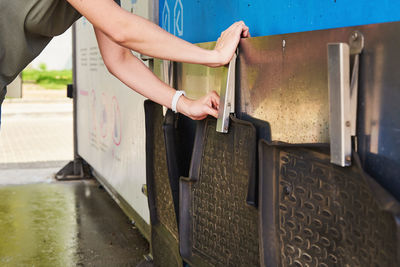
76, 169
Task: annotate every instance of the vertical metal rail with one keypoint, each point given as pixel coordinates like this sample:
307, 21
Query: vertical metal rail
227, 100
75, 102
339, 100
75, 169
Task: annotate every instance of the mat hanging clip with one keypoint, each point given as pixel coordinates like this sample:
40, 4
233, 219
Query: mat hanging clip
343, 95
227, 97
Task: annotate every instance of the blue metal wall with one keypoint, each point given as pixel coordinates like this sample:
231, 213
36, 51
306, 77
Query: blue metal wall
203, 20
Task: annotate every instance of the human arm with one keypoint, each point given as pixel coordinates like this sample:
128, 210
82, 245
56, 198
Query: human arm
138, 34
132, 72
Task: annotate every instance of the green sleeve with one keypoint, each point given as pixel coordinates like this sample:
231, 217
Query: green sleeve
26, 27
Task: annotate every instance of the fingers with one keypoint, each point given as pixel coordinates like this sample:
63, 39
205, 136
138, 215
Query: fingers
245, 32
210, 105
201, 108
213, 104
209, 110
237, 26
243, 29
214, 98
228, 42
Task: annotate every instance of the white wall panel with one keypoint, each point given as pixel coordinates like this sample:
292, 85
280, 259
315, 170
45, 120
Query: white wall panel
111, 127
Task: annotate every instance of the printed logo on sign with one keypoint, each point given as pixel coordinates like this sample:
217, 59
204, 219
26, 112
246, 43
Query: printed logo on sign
166, 17
178, 18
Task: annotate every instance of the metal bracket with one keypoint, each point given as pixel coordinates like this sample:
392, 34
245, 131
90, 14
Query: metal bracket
227, 98
343, 94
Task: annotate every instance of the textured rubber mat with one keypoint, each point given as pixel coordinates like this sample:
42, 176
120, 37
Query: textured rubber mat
217, 227
313, 213
164, 226
179, 133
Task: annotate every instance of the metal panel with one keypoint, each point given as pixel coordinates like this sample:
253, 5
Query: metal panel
204, 20
198, 80
282, 80
110, 120
378, 121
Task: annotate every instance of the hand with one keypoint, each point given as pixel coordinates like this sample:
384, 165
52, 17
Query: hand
199, 109
228, 42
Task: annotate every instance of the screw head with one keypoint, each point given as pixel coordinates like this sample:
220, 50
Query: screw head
286, 190
348, 124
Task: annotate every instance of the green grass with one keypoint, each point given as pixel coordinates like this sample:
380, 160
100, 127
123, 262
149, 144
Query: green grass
49, 79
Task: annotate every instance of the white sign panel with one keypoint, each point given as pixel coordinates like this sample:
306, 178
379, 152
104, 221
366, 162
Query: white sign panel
111, 126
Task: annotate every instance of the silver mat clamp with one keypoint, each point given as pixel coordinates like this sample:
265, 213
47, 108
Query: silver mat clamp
227, 98
343, 94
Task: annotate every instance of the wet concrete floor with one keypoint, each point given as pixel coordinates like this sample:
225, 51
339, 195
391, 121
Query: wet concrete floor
65, 224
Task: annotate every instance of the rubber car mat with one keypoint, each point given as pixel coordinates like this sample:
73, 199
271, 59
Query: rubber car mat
179, 132
313, 213
164, 226
217, 226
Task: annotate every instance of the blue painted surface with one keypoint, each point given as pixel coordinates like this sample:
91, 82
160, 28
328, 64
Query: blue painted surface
203, 20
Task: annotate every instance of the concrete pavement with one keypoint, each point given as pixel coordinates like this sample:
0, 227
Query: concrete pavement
36, 130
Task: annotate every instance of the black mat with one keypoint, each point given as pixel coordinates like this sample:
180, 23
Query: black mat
217, 227
179, 133
313, 213
164, 226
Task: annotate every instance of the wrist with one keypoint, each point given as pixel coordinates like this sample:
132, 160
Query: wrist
183, 104
214, 58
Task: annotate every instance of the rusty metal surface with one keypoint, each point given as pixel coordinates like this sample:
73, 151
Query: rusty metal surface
217, 227
313, 213
282, 80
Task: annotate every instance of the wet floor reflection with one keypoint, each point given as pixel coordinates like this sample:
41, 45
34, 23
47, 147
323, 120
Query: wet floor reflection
65, 224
